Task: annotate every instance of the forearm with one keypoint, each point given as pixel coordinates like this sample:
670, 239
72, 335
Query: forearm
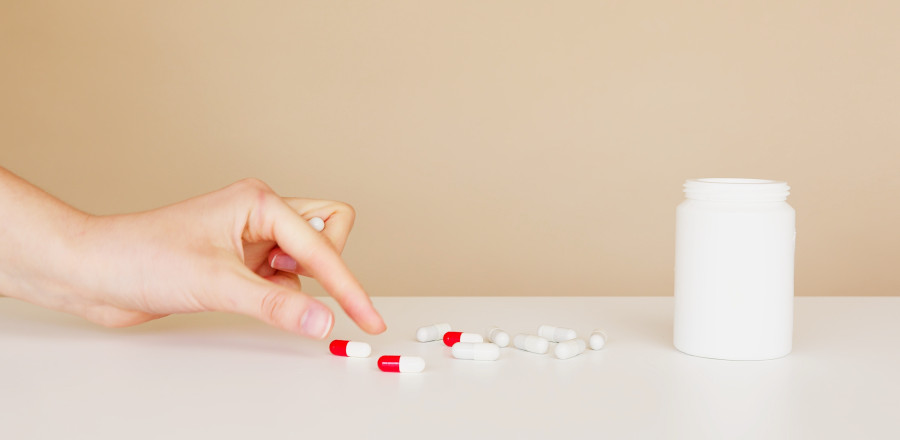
37, 240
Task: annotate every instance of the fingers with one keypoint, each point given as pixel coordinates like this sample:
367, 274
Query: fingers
280, 260
275, 301
338, 217
315, 254
285, 279
272, 219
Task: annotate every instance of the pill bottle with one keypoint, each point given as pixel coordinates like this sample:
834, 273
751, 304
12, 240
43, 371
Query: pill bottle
734, 269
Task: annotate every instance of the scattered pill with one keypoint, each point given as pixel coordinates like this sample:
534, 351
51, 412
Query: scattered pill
479, 351
598, 339
432, 332
556, 334
401, 364
451, 338
340, 347
569, 349
498, 336
531, 343
317, 223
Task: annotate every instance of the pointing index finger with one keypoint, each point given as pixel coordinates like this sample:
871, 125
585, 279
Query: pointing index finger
319, 257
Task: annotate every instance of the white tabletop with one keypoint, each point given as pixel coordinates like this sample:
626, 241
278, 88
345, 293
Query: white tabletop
222, 376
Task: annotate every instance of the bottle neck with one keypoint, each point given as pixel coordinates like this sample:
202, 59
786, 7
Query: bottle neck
736, 190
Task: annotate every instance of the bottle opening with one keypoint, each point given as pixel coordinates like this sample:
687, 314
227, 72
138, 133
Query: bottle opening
736, 190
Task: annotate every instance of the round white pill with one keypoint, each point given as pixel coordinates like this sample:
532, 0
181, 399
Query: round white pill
531, 343
479, 351
317, 223
598, 339
498, 336
432, 332
569, 349
556, 334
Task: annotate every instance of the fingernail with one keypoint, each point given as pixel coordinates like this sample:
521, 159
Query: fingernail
284, 262
316, 322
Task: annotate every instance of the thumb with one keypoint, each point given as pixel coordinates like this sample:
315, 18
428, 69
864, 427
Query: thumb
275, 304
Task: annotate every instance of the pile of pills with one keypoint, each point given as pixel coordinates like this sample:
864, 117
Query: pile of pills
472, 346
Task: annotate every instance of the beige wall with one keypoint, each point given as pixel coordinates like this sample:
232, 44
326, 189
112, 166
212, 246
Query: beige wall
490, 147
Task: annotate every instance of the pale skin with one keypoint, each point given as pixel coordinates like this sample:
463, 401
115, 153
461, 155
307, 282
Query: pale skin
239, 249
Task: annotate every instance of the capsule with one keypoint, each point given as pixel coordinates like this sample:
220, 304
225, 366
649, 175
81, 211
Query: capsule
479, 351
451, 338
556, 334
531, 343
569, 349
317, 223
355, 349
598, 339
498, 336
401, 364
432, 332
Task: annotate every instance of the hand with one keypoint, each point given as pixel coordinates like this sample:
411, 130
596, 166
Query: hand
238, 249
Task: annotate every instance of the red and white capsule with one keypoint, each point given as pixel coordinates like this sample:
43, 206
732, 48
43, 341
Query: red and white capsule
340, 347
451, 338
401, 364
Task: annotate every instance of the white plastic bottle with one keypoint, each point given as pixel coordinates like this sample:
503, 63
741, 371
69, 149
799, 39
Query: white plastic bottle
734, 269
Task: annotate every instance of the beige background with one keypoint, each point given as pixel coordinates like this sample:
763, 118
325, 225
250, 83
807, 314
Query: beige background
490, 147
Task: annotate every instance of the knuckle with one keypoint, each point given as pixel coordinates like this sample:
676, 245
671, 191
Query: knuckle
272, 305
347, 208
275, 308
252, 184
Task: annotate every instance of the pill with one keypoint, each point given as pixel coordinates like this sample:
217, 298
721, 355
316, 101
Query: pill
317, 223
497, 336
401, 364
556, 334
598, 339
432, 332
534, 344
478, 351
340, 347
569, 349
451, 338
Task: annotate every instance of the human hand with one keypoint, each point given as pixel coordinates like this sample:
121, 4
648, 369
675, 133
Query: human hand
238, 250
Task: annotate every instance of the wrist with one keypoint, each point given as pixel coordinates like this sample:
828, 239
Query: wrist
40, 250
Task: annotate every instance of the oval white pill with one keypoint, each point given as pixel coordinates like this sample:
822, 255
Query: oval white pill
569, 349
598, 339
317, 223
498, 336
556, 334
432, 332
531, 343
481, 351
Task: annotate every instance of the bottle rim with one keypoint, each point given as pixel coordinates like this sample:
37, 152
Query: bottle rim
736, 189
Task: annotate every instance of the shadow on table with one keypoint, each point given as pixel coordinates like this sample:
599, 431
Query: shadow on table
198, 331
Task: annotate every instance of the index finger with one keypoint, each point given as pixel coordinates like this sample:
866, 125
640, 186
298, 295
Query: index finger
320, 258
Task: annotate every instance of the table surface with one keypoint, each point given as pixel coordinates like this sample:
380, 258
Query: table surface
216, 375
